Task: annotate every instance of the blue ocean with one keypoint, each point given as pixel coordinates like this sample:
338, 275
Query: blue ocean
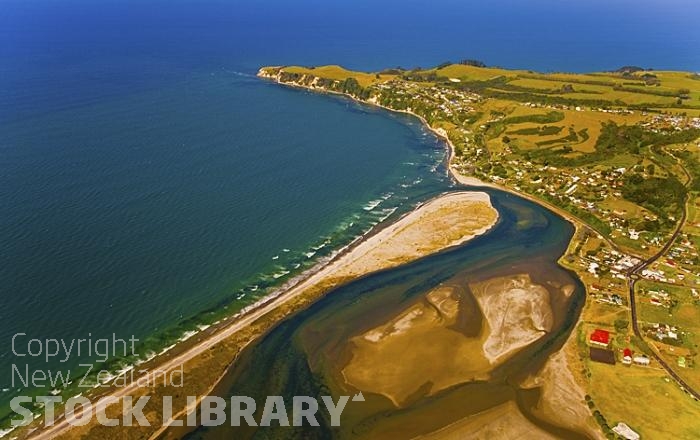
150, 183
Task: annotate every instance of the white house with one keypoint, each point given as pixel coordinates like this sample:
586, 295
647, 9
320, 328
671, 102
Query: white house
641, 360
625, 431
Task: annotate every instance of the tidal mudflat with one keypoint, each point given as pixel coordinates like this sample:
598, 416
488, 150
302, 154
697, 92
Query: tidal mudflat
432, 344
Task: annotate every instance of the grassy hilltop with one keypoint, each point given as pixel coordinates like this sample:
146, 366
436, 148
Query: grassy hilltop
628, 86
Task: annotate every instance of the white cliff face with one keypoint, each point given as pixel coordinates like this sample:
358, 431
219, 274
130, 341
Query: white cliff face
274, 73
263, 72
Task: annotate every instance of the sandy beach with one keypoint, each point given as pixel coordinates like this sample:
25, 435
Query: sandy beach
563, 398
441, 223
442, 134
390, 359
501, 422
517, 312
448, 220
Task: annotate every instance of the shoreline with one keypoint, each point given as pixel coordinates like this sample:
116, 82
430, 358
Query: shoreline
335, 270
475, 183
453, 173
294, 287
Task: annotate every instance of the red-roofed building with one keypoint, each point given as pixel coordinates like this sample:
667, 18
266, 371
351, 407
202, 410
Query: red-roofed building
600, 337
627, 356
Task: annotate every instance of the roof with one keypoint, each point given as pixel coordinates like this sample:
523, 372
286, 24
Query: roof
602, 355
643, 359
627, 352
625, 431
600, 336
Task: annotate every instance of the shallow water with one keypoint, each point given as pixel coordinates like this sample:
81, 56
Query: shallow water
186, 201
147, 178
528, 239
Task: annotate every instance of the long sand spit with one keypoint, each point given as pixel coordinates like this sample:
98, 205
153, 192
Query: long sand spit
446, 221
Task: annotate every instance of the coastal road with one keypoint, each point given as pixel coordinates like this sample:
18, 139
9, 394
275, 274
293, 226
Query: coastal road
633, 276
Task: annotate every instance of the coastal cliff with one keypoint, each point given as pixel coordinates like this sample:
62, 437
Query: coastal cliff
349, 86
372, 92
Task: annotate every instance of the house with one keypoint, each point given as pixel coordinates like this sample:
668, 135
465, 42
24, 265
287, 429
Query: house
641, 360
681, 361
592, 267
627, 356
600, 337
625, 431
